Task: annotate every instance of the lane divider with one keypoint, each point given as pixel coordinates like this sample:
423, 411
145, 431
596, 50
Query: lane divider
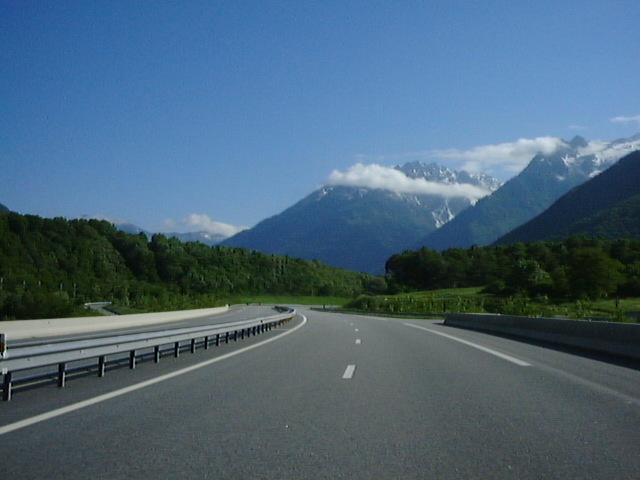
132, 388
503, 356
348, 373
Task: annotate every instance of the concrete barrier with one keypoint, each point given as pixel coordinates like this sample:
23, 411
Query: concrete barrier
621, 339
22, 329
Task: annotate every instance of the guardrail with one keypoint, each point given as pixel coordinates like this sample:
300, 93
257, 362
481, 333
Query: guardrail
129, 347
621, 339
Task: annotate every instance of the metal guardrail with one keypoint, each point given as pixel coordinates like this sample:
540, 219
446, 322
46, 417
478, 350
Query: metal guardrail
125, 346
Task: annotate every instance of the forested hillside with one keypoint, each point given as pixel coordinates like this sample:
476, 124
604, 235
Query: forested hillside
605, 205
577, 268
50, 266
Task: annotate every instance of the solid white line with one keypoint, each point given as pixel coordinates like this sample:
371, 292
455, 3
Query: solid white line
116, 393
509, 358
348, 373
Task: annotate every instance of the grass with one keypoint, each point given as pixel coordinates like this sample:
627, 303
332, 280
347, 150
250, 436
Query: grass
471, 300
255, 299
289, 300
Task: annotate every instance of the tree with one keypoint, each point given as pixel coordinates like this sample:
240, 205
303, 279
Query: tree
593, 274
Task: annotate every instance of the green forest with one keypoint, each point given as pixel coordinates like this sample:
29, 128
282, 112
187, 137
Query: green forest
578, 268
50, 267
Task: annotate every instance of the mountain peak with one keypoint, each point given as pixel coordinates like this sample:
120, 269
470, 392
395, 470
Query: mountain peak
545, 179
578, 142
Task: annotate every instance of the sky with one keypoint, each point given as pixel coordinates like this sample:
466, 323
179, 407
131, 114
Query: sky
214, 115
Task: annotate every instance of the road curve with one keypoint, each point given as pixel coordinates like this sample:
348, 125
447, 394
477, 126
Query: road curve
339, 397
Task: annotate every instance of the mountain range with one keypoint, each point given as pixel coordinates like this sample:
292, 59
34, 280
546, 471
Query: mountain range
608, 206
358, 228
203, 237
545, 179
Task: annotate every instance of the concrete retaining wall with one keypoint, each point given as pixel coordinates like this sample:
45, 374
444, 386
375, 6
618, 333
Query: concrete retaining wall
21, 329
608, 337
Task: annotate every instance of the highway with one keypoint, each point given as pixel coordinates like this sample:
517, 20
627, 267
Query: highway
333, 396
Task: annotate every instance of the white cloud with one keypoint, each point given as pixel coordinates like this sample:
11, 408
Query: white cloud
376, 176
502, 160
626, 120
510, 157
200, 223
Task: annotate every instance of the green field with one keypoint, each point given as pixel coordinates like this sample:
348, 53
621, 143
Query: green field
471, 300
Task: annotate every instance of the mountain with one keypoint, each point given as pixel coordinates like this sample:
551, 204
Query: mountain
608, 205
359, 228
4, 209
207, 238
542, 182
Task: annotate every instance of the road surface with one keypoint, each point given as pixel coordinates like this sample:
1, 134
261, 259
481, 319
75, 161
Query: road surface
337, 396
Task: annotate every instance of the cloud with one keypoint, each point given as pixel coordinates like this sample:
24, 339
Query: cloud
200, 223
502, 160
510, 157
626, 120
376, 176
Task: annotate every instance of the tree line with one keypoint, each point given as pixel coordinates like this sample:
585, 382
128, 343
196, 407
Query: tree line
579, 267
48, 267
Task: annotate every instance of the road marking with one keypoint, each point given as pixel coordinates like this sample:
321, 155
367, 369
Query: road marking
357, 330
132, 388
358, 341
509, 358
348, 373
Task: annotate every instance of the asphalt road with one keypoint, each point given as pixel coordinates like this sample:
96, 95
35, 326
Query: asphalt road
336, 396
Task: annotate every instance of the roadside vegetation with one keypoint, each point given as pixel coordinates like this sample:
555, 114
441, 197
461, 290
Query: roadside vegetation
579, 278
437, 303
51, 267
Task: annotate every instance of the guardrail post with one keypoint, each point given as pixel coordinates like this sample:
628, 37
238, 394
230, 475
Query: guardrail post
176, 349
217, 340
226, 338
62, 374
156, 354
7, 387
206, 342
193, 345
132, 359
3, 344
101, 366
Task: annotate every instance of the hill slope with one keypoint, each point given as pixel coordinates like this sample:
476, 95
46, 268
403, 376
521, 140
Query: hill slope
606, 205
50, 266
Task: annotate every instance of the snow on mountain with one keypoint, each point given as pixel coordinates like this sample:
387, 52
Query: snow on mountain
361, 217
546, 178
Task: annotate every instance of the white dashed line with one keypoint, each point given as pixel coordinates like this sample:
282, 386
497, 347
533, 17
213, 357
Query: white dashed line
348, 373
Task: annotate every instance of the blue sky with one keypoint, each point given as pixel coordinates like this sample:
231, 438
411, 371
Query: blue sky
177, 115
